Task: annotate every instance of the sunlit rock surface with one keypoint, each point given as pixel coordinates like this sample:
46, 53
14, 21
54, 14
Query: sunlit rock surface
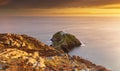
26, 43
24, 53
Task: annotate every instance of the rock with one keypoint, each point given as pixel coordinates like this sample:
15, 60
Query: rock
64, 41
27, 44
11, 55
100, 68
6, 55
24, 53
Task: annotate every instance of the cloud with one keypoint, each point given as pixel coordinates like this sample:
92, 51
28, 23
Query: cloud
54, 3
4, 2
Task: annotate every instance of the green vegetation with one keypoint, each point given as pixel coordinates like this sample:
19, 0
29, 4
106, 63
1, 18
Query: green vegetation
64, 41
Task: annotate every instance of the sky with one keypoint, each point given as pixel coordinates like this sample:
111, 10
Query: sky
59, 7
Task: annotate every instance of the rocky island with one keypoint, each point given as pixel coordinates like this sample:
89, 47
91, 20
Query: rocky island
64, 41
25, 53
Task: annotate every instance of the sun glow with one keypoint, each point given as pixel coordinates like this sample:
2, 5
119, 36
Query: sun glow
111, 6
103, 10
49, 8
76, 11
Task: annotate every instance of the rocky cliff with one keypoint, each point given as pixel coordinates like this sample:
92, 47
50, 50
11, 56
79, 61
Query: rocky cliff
25, 53
26, 43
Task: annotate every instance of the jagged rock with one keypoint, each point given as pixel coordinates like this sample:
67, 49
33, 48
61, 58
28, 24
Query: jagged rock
24, 53
100, 68
26, 43
10, 55
64, 41
54, 63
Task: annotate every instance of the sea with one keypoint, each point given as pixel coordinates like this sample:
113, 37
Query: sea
100, 35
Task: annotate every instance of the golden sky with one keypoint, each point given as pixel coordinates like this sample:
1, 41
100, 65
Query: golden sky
59, 7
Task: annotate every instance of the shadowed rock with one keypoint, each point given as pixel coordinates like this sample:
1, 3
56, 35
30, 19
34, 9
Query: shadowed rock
64, 41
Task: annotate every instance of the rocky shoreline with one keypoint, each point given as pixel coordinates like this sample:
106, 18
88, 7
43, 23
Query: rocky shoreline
25, 53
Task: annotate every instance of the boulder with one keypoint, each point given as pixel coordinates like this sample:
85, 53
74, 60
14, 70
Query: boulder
64, 41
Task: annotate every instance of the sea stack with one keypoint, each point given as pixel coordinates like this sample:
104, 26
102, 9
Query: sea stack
64, 41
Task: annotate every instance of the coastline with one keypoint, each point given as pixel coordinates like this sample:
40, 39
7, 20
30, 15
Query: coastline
49, 58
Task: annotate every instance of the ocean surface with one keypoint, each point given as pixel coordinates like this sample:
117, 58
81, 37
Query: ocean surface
100, 35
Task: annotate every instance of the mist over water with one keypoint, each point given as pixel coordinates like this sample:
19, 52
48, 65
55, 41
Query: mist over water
100, 35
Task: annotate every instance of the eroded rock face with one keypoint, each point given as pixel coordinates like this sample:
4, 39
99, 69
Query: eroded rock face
64, 41
33, 62
24, 53
26, 43
12, 58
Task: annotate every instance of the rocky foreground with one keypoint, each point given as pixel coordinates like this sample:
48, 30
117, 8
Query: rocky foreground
25, 53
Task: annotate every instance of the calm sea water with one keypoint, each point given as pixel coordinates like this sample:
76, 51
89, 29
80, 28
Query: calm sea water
100, 35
